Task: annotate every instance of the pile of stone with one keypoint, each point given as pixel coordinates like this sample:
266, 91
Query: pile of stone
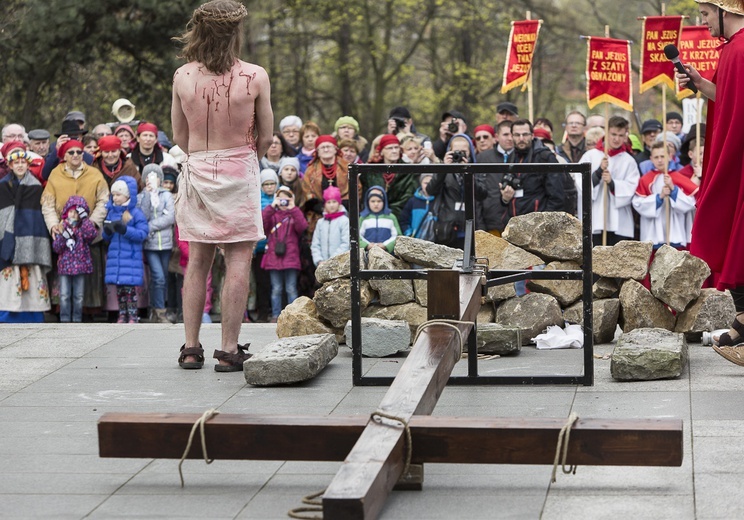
549, 240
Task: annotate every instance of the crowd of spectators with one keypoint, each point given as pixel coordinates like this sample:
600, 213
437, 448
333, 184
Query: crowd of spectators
89, 226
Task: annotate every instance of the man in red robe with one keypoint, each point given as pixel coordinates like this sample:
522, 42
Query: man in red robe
718, 233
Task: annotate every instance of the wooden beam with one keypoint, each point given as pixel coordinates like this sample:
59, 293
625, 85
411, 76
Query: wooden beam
454, 440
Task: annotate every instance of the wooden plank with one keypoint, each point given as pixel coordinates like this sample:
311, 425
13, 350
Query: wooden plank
441, 285
376, 462
454, 440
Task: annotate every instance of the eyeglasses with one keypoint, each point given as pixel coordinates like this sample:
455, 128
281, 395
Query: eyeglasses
574, 123
482, 137
14, 136
74, 152
286, 131
328, 148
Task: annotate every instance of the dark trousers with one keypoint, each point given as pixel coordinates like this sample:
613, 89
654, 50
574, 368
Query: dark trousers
263, 288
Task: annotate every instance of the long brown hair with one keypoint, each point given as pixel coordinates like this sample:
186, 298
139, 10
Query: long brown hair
214, 35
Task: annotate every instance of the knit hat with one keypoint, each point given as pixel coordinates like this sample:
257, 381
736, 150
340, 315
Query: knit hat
424, 176
387, 140
109, 143
269, 175
147, 170
670, 138
290, 121
289, 161
72, 143
126, 128
676, 116
332, 193
170, 174
326, 139
8, 147
119, 186
485, 128
17, 155
147, 127
346, 120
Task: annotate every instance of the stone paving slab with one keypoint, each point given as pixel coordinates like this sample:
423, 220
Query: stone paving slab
53, 391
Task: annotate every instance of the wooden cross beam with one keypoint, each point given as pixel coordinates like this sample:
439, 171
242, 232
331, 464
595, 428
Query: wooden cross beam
374, 452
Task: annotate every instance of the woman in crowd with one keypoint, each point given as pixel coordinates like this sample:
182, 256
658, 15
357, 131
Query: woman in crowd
113, 162
128, 139
398, 187
278, 149
326, 169
308, 134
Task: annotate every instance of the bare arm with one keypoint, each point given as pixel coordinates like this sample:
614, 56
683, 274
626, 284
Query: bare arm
707, 88
264, 115
178, 120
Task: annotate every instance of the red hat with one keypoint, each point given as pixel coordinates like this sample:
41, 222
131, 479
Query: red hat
10, 146
543, 133
147, 127
62, 150
387, 140
482, 128
126, 128
109, 143
326, 139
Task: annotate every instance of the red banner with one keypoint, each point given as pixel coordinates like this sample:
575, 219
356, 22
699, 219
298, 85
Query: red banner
522, 41
700, 50
658, 32
608, 74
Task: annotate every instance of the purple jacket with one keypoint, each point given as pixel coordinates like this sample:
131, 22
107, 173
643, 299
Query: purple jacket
76, 260
288, 227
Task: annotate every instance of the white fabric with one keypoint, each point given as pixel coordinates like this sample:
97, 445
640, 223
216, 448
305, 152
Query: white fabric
653, 219
555, 337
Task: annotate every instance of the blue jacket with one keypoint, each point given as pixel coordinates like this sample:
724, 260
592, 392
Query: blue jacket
378, 228
124, 262
414, 212
265, 201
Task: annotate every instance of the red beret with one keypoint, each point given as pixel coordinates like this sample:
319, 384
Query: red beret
109, 143
326, 139
10, 146
387, 140
543, 133
147, 127
485, 128
62, 150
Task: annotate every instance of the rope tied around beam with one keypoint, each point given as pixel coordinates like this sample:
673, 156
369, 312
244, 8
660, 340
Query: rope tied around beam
561, 449
200, 425
406, 429
447, 323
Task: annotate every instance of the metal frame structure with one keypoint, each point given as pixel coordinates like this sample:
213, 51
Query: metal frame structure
495, 277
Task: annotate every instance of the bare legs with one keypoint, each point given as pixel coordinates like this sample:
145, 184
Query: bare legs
201, 257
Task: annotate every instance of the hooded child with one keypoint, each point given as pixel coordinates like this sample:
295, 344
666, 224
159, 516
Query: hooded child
377, 224
331, 235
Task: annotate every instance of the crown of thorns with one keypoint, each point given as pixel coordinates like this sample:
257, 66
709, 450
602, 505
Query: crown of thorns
218, 15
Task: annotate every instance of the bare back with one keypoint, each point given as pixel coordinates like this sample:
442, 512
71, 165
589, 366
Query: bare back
222, 111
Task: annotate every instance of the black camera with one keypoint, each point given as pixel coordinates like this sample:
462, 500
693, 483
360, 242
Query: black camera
400, 123
453, 127
510, 180
458, 156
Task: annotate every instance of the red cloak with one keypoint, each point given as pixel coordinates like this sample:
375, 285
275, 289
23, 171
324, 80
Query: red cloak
718, 231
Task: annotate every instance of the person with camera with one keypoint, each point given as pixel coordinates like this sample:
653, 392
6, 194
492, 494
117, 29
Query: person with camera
453, 123
401, 122
449, 192
524, 193
284, 224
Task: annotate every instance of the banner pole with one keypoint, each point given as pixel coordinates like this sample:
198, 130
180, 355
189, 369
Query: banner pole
667, 206
605, 193
530, 97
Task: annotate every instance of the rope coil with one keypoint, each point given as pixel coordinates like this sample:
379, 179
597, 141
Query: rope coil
447, 323
561, 449
200, 425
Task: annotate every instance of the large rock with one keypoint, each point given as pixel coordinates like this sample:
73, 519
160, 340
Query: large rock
605, 288
425, 253
390, 292
565, 291
486, 313
627, 259
413, 313
499, 293
333, 300
501, 254
338, 266
712, 310
604, 318
531, 313
300, 318
550, 234
381, 338
641, 310
290, 360
677, 277
493, 338
647, 354
421, 292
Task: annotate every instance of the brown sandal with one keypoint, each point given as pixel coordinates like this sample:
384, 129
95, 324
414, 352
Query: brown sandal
235, 360
725, 340
197, 352
733, 354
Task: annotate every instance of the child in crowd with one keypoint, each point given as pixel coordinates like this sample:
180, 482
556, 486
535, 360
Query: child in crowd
74, 261
125, 228
377, 224
170, 177
289, 175
416, 208
284, 223
269, 182
331, 235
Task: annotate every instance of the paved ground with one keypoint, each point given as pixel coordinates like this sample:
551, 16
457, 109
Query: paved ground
56, 381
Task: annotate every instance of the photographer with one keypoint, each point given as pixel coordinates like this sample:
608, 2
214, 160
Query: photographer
449, 192
401, 122
453, 123
524, 193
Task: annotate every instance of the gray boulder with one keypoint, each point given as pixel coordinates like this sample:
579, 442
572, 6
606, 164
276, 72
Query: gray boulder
711, 310
627, 259
677, 277
412, 313
390, 292
647, 354
565, 291
605, 288
333, 300
641, 310
499, 293
421, 292
425, 253
549, 234
338, 266
501, 254
493, 338
301, 318
605, 317
381, 338
486, 313
290, 360
531, 314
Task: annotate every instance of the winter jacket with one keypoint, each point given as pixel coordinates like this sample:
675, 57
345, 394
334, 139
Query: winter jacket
331, 237
414, 212
283, 226
378, 228
399, 191
76, 260
124, 262
86, 182
160, 220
